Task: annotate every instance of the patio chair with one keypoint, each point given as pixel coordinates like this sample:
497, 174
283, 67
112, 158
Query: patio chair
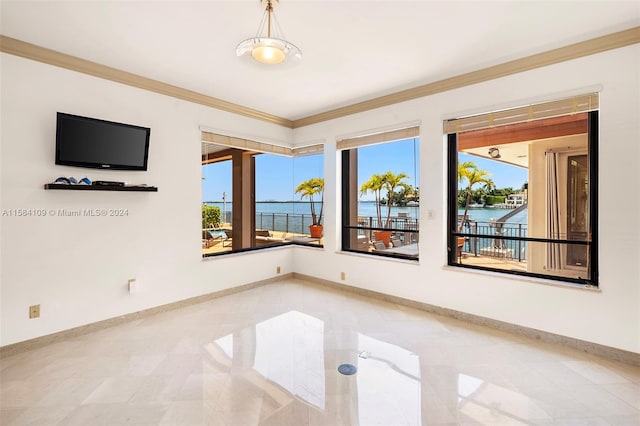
207, 239
379, 245
211, 237
396, 242
264, 236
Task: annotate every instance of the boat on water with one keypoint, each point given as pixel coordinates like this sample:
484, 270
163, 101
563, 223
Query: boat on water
476, 206
413, 204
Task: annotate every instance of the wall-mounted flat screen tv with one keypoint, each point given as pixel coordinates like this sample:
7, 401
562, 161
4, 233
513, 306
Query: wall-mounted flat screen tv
100, 144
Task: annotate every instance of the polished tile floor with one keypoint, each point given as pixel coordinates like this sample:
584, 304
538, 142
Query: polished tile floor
269, 356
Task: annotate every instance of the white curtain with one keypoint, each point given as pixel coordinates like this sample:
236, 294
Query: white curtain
554, 260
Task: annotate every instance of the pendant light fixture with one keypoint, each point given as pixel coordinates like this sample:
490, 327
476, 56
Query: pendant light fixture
269, 47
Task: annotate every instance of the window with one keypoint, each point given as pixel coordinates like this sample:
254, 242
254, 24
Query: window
249, 197
380, 194
522, 195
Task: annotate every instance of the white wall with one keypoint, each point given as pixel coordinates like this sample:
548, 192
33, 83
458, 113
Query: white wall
77, 268
609, 317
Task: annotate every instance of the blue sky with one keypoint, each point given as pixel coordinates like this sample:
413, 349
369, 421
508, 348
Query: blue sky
503, 175
277, 177
397, 157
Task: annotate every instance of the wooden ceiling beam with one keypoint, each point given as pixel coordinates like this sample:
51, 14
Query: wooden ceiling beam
532, 130
223, 155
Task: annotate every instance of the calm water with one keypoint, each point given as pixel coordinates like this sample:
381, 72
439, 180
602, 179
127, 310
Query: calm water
296, 217
487, 215
364, 208
274, 215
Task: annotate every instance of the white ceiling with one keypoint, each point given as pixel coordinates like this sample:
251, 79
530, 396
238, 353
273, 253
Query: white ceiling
515, 153
353, 50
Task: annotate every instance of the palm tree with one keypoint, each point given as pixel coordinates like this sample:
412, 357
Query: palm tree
309, 188
388, 182
392, 182
469, 171
375, 184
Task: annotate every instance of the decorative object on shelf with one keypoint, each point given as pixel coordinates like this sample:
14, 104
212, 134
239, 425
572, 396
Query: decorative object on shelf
108, 183
66, 180
73, 181
271, 48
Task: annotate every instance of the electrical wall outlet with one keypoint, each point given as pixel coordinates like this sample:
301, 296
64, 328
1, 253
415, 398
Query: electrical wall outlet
343, 276
277, 270
132, 286
34, 311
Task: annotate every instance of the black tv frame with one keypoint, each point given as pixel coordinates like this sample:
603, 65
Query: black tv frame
99, 165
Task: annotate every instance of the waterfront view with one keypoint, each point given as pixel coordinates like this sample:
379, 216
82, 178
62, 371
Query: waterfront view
522, 204
386, 173
299, 213
295, 216
289, 221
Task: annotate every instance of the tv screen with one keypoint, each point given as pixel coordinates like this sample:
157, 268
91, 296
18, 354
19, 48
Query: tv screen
89, 142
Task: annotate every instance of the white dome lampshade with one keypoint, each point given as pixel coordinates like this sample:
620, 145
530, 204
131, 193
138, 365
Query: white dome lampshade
269, 49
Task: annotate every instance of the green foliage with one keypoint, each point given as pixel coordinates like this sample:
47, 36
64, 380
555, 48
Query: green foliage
405, 194
470, 173
374, 185
309, 188
503, 191
462, 199
478, 196
389, 182
210, 216
494, 199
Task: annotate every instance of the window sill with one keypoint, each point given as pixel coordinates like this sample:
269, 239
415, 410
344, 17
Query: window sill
308, 246
522, 278
375, 257
251, 250
259, 249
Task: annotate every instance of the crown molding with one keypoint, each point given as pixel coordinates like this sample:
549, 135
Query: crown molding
562, 54
566, 53
58, 59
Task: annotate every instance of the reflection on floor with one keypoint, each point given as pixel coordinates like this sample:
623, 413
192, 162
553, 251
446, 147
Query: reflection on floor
269, 356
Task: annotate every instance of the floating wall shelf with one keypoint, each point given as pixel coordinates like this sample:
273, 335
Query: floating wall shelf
100, 187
